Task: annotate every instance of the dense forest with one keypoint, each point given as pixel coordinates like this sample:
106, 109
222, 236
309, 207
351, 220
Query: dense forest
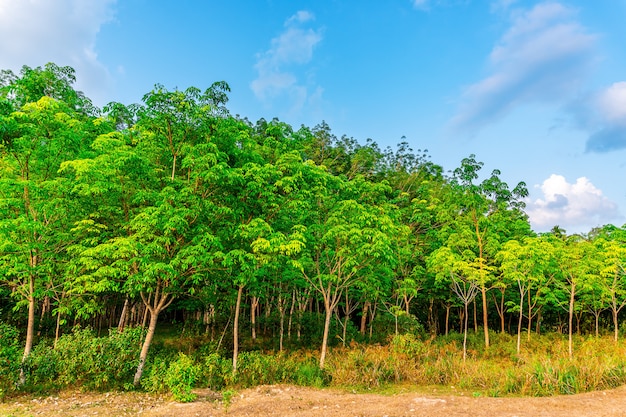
173, 216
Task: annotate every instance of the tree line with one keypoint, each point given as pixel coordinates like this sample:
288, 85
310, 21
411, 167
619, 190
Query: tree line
174, 210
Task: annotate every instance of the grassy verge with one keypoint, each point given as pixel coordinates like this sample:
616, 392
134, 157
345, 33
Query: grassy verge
543, 367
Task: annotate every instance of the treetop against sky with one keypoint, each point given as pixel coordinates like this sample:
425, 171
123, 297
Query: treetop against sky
535, 88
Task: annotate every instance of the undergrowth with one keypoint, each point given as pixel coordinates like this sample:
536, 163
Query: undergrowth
542, 368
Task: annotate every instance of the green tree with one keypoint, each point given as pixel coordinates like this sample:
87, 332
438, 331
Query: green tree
348, 231
526, 264
36, 211
612, 252
477, 219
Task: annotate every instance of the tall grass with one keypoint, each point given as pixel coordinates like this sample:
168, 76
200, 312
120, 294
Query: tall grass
542, 367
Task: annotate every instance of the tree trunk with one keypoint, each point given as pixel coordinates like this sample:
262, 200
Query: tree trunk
30, 327
615, 325
45, 306
530, 316
236, 329
57, 331
253, 307
154, 315
329, 314
465, 314
570, 320
366, 306
291, 310
122, 322
501, 311
160, 302
519, 323
483, 290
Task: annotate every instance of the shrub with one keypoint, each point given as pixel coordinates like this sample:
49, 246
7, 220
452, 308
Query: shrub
81, 359
10, 358
181, 378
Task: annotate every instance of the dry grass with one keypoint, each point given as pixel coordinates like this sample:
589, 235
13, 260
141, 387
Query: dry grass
542, 368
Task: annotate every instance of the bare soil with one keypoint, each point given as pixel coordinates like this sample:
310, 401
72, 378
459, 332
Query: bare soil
298, 401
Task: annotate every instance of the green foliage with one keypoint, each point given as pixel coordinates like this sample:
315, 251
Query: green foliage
181, 378
9, 358
179, 208
81, 359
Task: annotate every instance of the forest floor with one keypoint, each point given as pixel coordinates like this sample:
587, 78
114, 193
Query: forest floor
282, 400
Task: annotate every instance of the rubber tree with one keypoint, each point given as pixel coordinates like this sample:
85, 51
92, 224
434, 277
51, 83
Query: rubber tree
38, 131
526, 264
169, 243
477, 218
612, 277
578, 265
349, 230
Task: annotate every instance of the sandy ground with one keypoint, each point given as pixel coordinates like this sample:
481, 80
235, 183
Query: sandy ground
297, 401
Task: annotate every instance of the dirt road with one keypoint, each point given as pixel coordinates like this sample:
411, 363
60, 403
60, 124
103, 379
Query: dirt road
297, 401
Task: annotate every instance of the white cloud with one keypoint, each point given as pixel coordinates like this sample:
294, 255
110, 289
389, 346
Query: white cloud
602, 114
301, 16
576, 207
275, 67
542, 57
35, 32
612, 103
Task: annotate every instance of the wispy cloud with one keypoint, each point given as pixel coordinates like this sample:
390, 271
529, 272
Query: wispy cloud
543, 57
603, 113
420, 4
501, 5
290, 50
576, 207
36, 32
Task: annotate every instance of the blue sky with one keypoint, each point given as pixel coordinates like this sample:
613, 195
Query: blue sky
536, 89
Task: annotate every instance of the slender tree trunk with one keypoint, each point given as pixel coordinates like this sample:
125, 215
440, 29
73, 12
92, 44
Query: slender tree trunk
537, 324
502, 321
530, 316
615, 325
448, 308
282, 330
45, 306
372, 316
291, 310
160, 301
407, 304
465, 331
483, 290
57, 330
329, 314
154, 316
30, 327
432, 330
366, 306
519, 323
253, 307
122, 322
570, 320
236, 329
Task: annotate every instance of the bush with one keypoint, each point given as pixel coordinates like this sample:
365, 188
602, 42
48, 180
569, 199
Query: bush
10, 358
181, 378
216, 371
81, 359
